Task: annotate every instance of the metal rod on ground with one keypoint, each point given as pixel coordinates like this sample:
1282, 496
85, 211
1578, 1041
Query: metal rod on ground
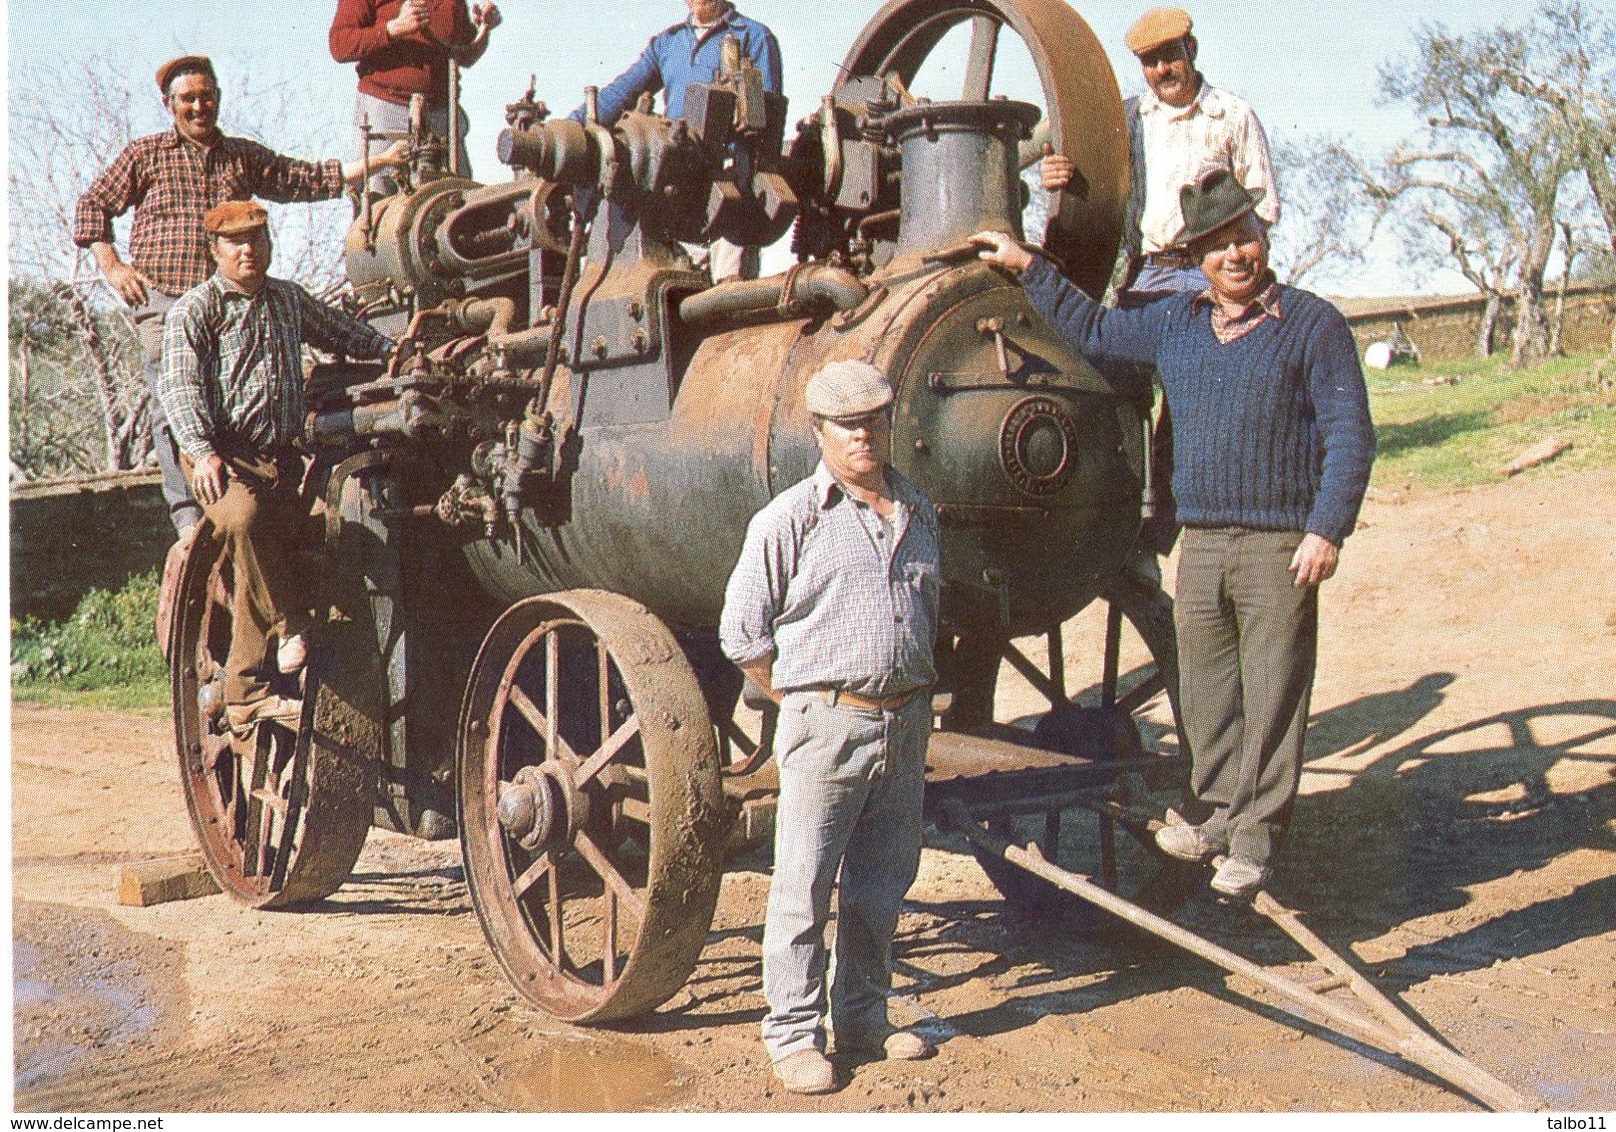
1421, 1051
1475, 1080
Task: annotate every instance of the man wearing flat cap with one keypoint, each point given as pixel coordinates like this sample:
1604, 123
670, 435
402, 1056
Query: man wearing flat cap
1181, 128
232, 388
832, 611
1271, 430
170, 180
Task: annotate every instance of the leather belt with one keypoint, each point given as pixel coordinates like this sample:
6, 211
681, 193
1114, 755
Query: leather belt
1179, 259
834, 696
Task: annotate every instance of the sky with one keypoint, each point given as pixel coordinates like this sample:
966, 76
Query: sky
1307, 68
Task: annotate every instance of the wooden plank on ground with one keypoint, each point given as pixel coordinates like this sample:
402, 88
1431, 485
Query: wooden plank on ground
163, 879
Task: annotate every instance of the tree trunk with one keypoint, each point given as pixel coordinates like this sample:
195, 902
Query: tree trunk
1489, 325
1597, 168
1531, 339
95, 348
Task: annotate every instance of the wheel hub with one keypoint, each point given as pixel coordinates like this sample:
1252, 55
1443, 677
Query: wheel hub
527, 809
541, 808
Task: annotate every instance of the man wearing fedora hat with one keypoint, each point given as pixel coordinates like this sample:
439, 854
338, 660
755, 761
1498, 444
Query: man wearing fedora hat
232, 387
1271, 429
832, 611
170, 180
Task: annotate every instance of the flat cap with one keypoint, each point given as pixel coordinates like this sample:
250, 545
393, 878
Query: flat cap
1156, 27
847, 389
234, 217
184, 63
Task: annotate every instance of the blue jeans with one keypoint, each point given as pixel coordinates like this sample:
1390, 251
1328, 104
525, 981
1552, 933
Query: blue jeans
1157, 281
390, 117
851, 787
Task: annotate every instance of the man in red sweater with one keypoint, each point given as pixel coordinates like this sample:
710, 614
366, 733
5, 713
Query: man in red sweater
403, 48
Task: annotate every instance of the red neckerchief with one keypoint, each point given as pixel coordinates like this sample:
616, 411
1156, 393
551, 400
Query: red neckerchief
1229, 327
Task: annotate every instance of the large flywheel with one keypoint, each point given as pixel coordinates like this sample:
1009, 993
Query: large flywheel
1082, 106
591, 814
281, 814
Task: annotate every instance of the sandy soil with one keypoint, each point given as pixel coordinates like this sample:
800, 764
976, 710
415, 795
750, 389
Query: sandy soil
1457, 836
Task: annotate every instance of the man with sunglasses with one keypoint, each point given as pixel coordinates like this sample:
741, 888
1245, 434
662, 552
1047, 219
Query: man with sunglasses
1271, 424
832, 611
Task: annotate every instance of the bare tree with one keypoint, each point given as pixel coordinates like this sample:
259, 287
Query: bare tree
1489, 150
74, 405
1573, 71
1328, 221
68, 121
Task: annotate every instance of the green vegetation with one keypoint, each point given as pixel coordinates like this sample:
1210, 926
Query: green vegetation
1461, 434
104, 656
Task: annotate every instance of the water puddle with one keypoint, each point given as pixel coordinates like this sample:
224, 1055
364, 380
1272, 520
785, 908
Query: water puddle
80, 983
587, 1076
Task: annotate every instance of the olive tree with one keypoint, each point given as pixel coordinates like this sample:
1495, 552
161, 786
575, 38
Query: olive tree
1511, 114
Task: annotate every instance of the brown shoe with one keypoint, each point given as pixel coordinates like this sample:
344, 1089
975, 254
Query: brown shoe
806, 1071
895, 1045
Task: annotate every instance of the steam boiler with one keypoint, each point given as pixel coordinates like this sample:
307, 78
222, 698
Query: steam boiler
524, 522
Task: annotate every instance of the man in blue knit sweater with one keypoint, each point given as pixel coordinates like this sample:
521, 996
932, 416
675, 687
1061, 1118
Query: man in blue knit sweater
1272, 444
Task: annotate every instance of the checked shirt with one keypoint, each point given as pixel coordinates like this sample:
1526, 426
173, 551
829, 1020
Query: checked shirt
171, 184
838, 600
233, 362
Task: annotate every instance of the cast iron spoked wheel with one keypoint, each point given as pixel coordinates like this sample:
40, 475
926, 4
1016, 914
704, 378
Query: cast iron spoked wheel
591, 814
280, 817
1130, 866
1082, 106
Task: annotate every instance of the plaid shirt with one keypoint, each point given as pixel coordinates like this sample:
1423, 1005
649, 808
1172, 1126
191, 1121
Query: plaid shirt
1232, 327
171, 183
835, 597
233, 362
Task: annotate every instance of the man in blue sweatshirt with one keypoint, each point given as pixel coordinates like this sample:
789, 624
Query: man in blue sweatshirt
1272, 444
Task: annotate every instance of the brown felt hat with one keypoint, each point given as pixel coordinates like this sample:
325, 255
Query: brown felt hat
1156, 27
234, 217
184, 63
1208, 203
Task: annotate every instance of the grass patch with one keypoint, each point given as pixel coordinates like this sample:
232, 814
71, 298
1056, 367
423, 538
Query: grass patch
104, 656
1460, 434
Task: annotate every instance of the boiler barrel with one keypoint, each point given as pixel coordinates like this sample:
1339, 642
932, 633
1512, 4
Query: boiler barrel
1032, 459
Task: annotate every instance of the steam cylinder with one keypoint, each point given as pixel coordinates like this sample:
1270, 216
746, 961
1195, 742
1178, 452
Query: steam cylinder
959, 170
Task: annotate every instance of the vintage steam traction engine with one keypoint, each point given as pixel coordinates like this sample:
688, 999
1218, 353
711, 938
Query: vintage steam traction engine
530, 515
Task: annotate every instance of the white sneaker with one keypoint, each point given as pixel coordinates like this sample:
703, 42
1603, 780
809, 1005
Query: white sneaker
807, 1071
1240, 877
1186, 843
292, 653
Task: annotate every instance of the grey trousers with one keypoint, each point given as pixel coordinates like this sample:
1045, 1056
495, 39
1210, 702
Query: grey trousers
183, 510
1247, 645
851, 787
390, 117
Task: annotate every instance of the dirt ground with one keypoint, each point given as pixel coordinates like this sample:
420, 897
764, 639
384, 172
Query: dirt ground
1456, 834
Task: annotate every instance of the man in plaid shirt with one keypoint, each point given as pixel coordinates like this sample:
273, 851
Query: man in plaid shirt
170, 179
232, 388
